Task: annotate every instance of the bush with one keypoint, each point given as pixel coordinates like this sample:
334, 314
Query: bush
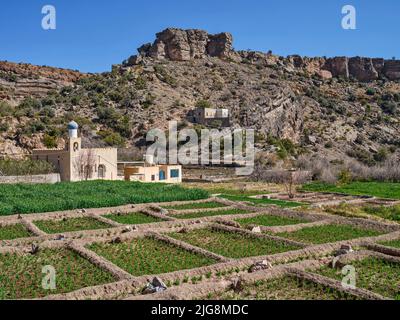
203, 104
11, 167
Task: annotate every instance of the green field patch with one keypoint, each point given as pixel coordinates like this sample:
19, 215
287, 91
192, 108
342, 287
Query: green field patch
70, 225
270, 221
374, 274
394, 243
284, 288
328, 233
14, 231
232, 245
36, 198
21, 275
132, 218
146, 256
388, 190
263, 201
194, 205
202, 214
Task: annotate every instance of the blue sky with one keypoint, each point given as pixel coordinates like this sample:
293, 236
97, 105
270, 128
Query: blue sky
92, 35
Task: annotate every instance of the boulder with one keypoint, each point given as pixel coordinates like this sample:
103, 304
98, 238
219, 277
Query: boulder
344, 249
256, 230
260, 265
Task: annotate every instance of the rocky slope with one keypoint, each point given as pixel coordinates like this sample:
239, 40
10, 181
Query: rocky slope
337, 107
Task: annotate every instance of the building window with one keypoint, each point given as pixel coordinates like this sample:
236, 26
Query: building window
175, 173
153, 177
162, 175
101, 171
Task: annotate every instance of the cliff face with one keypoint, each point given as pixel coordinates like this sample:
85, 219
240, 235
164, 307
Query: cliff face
184, 45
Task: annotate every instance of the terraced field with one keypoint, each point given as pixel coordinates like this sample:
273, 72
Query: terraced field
377, 275
328, 233
232, 245
202, 214
284, 288
269, 221
132, 218
200, 244
148, 256
14, 231
21, 275
70, 225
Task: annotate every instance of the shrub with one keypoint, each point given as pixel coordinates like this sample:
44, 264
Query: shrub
10, 167
203, 104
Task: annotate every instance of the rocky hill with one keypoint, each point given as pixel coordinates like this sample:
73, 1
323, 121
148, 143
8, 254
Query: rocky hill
337, 107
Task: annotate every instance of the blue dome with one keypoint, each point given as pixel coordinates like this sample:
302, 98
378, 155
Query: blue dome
73, 125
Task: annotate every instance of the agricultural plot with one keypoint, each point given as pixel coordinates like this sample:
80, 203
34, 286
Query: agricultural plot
386, 212
269, 221
146, 256
196, 205
232, 245
21, 275
132, 218
263, 201
394, 243
284, 288
14, 231
70, 225
374, 274
202, 214
38, 198
328, 233
388, 190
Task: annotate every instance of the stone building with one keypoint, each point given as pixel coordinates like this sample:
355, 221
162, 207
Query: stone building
211, 117
76, 164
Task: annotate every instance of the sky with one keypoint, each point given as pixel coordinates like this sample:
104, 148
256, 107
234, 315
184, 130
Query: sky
91, 35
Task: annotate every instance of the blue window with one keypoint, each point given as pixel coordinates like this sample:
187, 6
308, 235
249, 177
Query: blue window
174, 173
162, 175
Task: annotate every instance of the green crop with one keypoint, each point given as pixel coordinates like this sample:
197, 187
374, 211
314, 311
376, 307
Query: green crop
71, 224
32, 198
14, 231
132, 218
146, 256
270, 221
232, 245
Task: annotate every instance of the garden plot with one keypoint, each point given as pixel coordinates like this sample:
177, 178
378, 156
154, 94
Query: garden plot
70, 225
259, 202
133, 218
394, 243
21, 274
270, 221
211, 213
328, 233
284, 288
14, 231
196, 205
147, 256
231, 244
374, 274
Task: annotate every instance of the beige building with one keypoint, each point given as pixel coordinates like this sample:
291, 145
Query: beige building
151, 172
209, 116
76, 164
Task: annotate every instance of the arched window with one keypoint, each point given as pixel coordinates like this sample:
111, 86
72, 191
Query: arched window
101, 171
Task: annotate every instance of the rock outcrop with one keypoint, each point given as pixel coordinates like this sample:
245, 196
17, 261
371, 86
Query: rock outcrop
184, 45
